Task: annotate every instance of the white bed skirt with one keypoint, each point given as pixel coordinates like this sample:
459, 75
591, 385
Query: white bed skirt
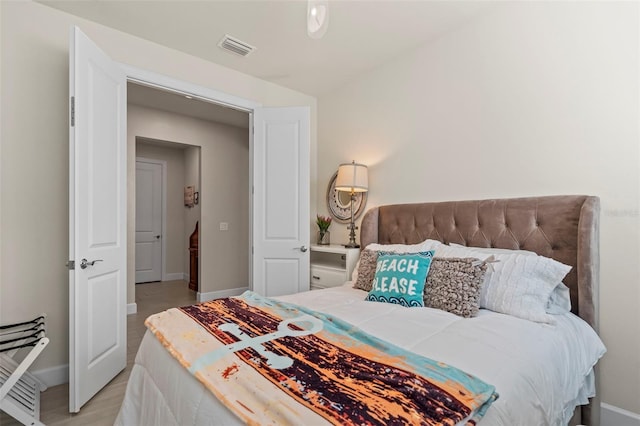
161, 392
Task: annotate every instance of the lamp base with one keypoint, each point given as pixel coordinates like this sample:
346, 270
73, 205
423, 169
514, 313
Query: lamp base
352, 227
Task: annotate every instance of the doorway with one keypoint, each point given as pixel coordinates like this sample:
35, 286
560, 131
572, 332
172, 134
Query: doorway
277, 204
191, 137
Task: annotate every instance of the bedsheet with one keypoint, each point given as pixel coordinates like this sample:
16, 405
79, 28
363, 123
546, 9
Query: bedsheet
540, 371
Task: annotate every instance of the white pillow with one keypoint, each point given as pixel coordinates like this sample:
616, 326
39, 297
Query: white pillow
444, 250
494, 250
426, 245
560, 300
518, 284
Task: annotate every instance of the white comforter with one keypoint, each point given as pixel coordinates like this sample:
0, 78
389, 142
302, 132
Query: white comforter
540, 371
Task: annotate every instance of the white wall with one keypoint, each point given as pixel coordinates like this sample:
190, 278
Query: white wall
34, 68
531, 98
224, 194
175, 213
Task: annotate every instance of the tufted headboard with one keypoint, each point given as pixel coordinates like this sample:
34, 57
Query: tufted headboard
564, 228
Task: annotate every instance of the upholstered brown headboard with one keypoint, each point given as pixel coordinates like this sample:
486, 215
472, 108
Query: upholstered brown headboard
564, 228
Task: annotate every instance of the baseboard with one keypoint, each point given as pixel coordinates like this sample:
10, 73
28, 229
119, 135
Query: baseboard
611, 415
132, 308
53, 376
175, 276
186, 277
204, 297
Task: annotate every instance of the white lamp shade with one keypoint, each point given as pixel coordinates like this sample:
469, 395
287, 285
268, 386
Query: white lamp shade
352, 177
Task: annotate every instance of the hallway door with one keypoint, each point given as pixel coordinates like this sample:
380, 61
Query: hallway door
149, 182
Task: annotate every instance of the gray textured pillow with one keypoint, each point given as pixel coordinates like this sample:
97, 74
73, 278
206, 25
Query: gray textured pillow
454, 285
366, 269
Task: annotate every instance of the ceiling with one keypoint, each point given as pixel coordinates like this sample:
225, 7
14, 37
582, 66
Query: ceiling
361, 34
179, 104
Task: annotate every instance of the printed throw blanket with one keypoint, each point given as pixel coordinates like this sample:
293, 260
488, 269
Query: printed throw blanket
272, 362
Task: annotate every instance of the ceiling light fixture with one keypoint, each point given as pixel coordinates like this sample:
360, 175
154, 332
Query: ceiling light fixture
317, 18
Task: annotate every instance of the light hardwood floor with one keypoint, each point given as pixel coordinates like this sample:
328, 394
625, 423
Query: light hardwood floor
104, 407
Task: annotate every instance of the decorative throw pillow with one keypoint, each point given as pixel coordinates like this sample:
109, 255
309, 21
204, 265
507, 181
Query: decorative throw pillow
400, 278
454, 285
366, 269
426, 245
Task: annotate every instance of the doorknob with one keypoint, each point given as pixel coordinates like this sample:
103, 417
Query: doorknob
157, 237
303, 249
84, 263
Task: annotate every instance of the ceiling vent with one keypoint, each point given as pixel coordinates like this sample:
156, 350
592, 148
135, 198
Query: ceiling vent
233, 45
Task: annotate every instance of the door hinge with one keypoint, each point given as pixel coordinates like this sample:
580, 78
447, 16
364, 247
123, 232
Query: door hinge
71, 264
73, 111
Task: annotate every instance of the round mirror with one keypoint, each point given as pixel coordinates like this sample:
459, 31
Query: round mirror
344, 199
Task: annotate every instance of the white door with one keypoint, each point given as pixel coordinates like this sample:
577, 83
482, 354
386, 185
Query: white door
97, 220
281, 200
148, 221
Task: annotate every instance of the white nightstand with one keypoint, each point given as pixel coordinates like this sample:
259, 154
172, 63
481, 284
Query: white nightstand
332, 265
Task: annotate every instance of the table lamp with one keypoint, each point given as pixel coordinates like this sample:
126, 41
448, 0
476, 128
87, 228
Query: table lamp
352, 177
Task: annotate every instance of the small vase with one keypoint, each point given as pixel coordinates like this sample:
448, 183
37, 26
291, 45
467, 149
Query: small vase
324, 238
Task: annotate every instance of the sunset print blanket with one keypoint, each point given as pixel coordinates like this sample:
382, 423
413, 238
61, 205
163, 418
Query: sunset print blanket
272, 362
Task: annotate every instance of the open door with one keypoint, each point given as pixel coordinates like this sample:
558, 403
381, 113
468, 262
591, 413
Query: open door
97, 220
281, 200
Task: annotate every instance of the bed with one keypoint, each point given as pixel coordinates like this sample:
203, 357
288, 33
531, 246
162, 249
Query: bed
536, 385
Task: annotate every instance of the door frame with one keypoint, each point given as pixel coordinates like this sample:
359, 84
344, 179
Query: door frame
163, 165
163, 82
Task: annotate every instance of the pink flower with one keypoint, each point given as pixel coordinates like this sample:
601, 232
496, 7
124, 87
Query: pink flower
323, 222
